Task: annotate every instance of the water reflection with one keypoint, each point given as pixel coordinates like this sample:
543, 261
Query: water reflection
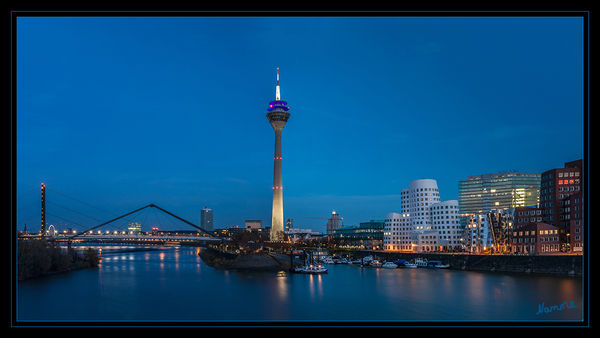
119, 290
282, 287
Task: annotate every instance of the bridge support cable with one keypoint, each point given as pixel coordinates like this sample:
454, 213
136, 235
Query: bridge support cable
137, 210
112, 220
183, 220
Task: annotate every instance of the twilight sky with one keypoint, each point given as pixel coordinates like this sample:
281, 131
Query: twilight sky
123, 112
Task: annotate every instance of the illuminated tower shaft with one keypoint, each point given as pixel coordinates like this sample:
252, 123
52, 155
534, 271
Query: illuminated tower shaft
277, 116
43, 226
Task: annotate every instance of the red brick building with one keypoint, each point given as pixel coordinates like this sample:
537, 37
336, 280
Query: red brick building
575, 207
558, 205
526, 215
536, 239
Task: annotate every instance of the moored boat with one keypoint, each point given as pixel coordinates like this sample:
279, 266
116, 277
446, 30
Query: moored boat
400, 263
375, 263
437, 265
421, 263
314, 269
327, 260
389, 265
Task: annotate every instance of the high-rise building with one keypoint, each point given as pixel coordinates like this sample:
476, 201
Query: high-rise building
134, 228
206, 219
498, 191
289, 224
333, 223
278, 116
561, 203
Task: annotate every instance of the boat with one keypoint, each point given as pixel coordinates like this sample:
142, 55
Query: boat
355, 261
410, 265
375, 263
400, 263
298, 269
366, 260
389, 265
327, 260
437, 265
342, 261
421, 263
314, 269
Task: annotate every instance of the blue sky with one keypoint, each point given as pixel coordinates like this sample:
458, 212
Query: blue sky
122, 112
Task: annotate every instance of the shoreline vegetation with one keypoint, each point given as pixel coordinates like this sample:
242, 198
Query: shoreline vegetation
38, 258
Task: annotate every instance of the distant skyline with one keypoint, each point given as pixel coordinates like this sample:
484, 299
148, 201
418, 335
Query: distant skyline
121, 112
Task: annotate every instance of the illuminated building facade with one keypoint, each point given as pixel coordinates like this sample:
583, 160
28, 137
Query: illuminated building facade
289, 224
134, 228
333, 223
420, 227
278, 116
536, 239
498, 191
445, 220
561, 203
366, 235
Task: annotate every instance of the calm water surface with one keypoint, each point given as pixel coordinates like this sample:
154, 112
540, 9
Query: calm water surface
174, 284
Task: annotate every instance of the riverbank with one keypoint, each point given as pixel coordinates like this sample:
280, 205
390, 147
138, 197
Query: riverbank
256, 262
566, 265
38, 258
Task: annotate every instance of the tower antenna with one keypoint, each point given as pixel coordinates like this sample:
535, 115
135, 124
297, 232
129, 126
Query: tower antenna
277, 91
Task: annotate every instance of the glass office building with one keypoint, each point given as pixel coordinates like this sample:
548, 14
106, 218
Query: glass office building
206, 219
481, 193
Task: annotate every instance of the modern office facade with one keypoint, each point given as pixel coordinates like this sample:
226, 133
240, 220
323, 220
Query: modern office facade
206, 219
477, 235
498, 191
366, 235
489, 231
134, 228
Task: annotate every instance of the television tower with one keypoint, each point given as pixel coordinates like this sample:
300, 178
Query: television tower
43, 226
277, 116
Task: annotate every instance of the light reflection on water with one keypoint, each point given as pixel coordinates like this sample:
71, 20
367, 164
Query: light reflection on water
182, 287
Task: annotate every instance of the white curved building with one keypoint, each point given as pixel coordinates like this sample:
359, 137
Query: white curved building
412, 230
445, 220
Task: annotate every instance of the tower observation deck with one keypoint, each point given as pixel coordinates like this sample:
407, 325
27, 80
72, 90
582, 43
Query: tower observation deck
278, 116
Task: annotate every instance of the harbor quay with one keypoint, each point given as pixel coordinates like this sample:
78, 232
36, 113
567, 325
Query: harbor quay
570, 265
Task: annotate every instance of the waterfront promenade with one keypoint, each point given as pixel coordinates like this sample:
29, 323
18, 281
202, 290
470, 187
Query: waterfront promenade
535, 264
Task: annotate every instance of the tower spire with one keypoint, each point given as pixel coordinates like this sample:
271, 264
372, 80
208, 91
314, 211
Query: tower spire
277, 91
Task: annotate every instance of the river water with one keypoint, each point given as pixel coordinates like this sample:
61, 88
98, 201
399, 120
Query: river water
173, 284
